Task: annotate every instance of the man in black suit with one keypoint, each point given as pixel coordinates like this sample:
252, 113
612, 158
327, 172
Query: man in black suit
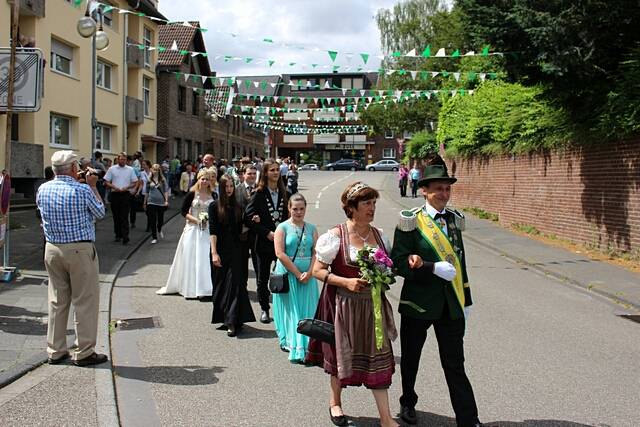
266, 209
244, 191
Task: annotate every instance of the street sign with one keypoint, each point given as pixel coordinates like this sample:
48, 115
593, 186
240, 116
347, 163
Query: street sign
27, 81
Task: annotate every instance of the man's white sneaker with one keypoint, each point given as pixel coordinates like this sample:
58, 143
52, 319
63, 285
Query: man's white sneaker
154, 241
161, 235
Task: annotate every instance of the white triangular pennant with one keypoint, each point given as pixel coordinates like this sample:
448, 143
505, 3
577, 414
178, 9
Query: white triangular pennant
362, 92
186, 77
434, 73
414, 74
187, 24
411, 53
457, 76
204, 79
470, 53
441, 53
483, 76
174, 45
327, 85
344, 91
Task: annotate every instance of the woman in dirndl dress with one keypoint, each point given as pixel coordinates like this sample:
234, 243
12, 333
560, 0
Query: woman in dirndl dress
346, 302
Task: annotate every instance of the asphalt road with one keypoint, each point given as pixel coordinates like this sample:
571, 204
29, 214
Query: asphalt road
538, 353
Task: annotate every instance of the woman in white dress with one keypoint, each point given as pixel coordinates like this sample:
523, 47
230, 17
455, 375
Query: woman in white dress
190, 274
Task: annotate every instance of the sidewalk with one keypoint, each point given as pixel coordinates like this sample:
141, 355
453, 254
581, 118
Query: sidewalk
23, 302
613, 282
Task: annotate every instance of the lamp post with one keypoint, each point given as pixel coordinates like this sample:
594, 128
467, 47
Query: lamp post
87, 26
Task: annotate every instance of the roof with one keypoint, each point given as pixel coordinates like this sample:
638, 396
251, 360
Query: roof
184, 36
217, 100
147, 7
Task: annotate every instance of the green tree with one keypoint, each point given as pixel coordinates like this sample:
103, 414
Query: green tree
422, 145
573, 48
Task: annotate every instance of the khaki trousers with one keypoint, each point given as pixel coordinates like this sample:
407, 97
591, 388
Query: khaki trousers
73, 279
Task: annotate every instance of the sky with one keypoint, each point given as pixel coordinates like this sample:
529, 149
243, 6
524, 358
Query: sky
237, 28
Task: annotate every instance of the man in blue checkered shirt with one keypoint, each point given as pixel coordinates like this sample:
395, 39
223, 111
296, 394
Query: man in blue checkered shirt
69, 210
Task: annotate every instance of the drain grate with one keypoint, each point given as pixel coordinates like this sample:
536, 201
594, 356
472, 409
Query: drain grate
632, 317
138, 323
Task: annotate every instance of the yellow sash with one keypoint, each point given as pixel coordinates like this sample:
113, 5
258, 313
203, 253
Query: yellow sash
441, 245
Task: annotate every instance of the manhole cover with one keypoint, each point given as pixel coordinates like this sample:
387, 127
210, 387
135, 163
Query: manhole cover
632, 317
139, 323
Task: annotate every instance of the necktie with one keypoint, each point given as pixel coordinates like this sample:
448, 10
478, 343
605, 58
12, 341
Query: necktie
440, 219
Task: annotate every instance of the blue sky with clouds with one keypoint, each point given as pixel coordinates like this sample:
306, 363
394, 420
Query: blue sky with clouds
345, 26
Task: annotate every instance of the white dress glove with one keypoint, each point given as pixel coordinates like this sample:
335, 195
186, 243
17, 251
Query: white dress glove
467, 312
444, 270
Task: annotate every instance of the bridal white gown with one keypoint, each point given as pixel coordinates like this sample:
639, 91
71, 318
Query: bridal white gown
190, 274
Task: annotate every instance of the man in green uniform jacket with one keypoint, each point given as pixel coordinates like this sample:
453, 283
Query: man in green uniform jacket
429, 253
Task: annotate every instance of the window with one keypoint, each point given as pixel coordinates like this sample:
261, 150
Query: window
146, 90
357, 83
182, 98
389, 152
195, 102
346, 83
147, 41
61, 57
388, 134
179, 148
60, 131
103, 137
189, 149
103, 75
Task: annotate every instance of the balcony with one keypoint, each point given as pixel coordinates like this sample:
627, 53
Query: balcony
135, 56
32, 8
135, 110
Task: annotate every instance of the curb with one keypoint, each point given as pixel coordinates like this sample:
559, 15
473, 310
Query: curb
540, 270
105, 386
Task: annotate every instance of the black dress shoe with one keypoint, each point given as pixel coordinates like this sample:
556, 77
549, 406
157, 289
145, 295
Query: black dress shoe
60, 359
125, 240
340, 420
118, 239
264, 317
408, 415
231, 331
93, 359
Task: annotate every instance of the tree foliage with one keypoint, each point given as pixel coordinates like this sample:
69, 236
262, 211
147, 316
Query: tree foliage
501, 118
573, 48
422, 145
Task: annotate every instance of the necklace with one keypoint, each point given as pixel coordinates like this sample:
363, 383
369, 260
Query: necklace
364, 239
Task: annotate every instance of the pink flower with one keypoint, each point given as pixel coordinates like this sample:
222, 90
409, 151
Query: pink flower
380, 256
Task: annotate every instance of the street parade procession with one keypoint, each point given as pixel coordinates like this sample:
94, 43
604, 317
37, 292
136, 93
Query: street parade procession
384, 213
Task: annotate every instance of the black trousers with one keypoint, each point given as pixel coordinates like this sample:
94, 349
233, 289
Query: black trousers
449, 333
414, 188
403, 187
120, 204
265, 260
133, 210
248, 251
155, 214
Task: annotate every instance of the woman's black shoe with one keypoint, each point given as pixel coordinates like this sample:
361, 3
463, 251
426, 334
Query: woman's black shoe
231, 331
340, 420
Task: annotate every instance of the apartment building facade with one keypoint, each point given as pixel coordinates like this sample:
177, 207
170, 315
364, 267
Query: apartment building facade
125, 93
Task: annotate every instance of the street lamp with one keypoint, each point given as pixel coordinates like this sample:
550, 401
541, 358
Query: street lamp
87, 27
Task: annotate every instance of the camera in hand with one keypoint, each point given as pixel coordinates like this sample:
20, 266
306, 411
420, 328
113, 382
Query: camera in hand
83, 174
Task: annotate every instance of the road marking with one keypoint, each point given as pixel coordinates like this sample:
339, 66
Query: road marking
326, 187
317, 204
319, 195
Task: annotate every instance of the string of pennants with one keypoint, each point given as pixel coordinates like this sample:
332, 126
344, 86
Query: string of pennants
425, 53
307, 85
332, 54
380, 96
301, 129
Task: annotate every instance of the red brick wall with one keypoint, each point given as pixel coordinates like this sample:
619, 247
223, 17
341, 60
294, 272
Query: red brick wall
588, 194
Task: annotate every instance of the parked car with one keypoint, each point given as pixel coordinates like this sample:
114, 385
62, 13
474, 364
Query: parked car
383, 165
344, 165
309, 167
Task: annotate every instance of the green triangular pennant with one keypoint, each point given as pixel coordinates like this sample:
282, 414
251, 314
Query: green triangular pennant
365, 57
332, 54
427, 51
247, 60
271, 62
485, 51
456, 53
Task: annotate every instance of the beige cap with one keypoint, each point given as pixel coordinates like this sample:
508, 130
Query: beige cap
64, 157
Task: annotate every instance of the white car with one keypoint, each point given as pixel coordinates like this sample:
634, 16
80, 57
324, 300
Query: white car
383, 165
309, 167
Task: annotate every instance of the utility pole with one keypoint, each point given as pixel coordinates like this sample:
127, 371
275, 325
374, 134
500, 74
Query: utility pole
15, 13
7, 273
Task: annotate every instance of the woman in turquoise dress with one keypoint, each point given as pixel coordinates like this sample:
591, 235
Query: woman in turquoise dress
302, 299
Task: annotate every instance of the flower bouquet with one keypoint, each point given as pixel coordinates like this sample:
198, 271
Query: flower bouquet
376, 268
204, 220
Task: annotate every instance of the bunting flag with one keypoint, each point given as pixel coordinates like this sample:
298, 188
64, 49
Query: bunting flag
424, 75
332, 54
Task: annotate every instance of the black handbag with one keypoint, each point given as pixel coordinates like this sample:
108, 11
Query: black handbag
317, 329
279, 283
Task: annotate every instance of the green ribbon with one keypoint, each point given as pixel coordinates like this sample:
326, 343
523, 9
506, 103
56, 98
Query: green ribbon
376, 296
